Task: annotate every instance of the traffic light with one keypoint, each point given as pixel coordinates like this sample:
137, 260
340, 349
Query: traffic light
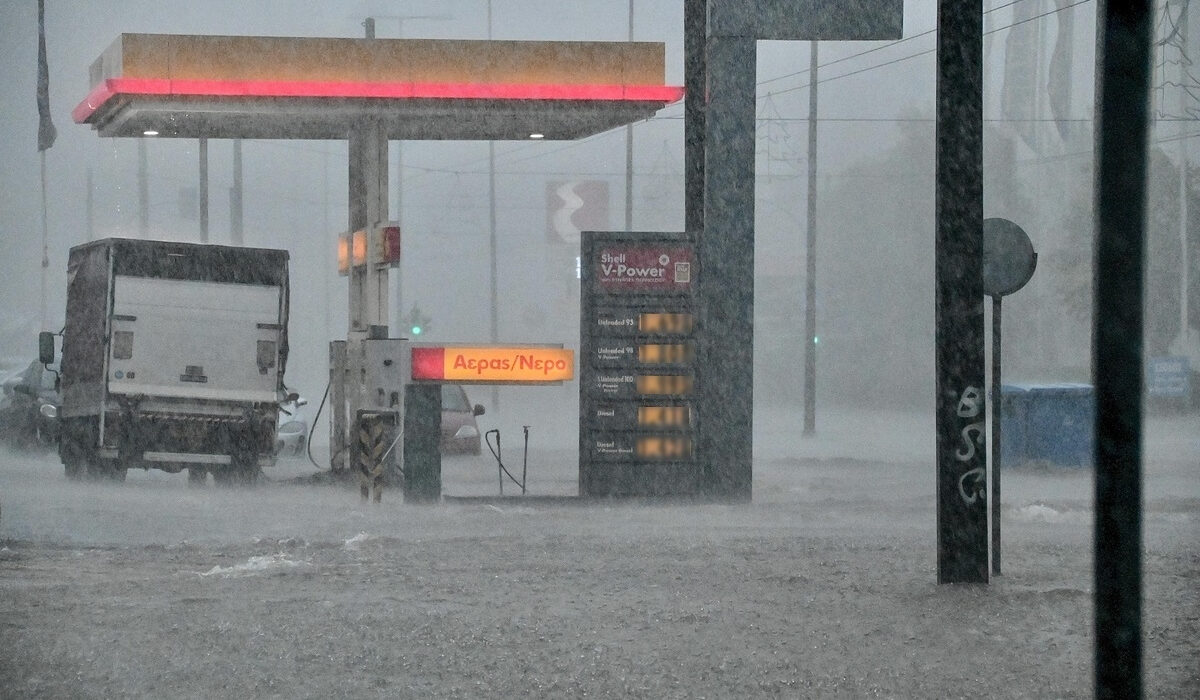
418, 323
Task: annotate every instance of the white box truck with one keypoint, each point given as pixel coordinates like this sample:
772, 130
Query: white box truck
173, 358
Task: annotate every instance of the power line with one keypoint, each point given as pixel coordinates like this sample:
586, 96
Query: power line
877, 48
922, 53
465, 167
574, 144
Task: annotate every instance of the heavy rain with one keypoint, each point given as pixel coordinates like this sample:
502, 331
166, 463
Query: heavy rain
822, 583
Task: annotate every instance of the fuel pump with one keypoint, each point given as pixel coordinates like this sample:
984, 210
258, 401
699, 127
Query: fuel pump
368, 378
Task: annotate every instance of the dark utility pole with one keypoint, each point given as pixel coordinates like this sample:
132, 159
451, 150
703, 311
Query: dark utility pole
629, 151
695, 14
810, 256
961, 408
236, 226
143, 190
203, 190
493, 248
1124, 82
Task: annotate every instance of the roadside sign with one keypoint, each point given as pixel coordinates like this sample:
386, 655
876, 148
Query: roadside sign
638, 380
1167, 377
1008, 257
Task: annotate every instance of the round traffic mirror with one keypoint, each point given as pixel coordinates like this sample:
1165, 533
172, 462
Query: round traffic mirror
1008, 257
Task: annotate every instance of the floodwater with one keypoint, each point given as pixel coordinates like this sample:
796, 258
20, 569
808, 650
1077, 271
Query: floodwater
824, 586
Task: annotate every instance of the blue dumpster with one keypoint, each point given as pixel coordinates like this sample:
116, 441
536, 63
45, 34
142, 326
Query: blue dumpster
1047, 424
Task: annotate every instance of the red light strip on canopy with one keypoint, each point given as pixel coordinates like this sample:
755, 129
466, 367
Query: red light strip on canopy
280, 88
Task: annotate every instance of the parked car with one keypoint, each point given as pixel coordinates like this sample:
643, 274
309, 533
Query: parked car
460, 433
292, 434
29, 407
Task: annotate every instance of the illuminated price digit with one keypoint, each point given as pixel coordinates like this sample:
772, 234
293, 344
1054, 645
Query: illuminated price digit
649, 448
663, 448
664, 354
665, 323
663, 416
664, 384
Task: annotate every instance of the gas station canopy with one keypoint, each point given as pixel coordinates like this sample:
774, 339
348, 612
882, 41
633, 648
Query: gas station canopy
323, 88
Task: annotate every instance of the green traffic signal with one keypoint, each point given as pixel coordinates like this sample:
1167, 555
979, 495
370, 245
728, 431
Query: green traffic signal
417, 321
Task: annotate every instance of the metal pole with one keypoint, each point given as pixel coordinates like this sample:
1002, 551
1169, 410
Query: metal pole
495, 325
962, 514
629, 152
45, 245
525, 461
1184, 335
330, 270
997, 402
143, 190
203, 190
810, 277
91, 207
695, 15
1124, 38
399, 218
236, 227
368, 206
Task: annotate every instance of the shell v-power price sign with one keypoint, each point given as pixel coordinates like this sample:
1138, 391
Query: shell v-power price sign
637, 366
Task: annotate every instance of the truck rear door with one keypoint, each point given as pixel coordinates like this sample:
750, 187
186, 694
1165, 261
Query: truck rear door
194, 340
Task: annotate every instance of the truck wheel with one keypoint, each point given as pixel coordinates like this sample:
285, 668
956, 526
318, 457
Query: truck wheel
111, 470
105, 470
73, 456
74, 469
243, 468
247, 474
236, 475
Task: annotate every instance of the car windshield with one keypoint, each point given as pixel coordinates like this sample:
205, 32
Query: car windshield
454, 399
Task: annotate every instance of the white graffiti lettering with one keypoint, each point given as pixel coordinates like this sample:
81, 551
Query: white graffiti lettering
970, 403
972, 485
977, 488
972, 435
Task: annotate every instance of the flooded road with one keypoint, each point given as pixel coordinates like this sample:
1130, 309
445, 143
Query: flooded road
824, 586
